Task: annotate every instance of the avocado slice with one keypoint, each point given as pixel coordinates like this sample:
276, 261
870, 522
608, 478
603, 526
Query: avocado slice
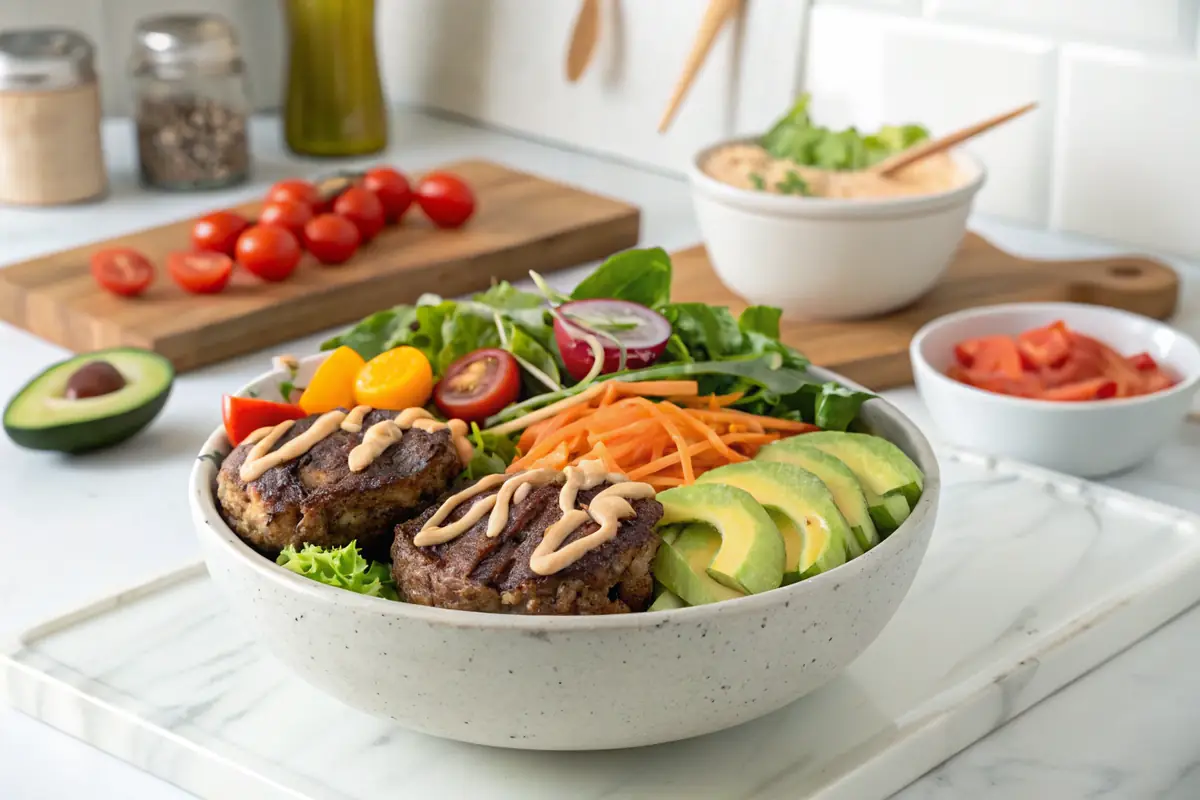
666, 601
845, 488
815, 534
891, 482
41, 416
750, 556
682, 567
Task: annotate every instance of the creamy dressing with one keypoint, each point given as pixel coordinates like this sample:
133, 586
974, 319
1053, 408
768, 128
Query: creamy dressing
378, 438
607, 509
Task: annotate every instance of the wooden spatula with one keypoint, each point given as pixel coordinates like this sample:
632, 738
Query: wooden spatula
584, 36
715, 16
926, 149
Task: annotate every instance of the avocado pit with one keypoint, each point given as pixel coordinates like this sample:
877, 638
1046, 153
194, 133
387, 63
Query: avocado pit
94, 379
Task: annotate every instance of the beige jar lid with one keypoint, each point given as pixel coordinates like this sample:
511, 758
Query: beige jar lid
45, 59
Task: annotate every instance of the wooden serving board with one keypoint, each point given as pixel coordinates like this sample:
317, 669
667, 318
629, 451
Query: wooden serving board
522, 222
874, 352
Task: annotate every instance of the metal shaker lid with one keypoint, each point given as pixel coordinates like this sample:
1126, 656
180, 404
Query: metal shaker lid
43, 59
185, 42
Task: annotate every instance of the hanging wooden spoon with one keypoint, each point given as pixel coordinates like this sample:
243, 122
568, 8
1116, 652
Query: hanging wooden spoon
715, 16
584, 36
926, 149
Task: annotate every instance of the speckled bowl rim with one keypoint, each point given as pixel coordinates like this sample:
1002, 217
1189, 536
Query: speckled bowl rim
209, 524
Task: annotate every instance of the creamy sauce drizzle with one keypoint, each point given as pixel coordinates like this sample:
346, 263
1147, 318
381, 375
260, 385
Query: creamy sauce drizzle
607, 509
378, 438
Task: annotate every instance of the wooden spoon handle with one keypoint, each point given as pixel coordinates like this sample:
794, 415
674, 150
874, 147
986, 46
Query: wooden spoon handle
715, 17
583, 39
926, 149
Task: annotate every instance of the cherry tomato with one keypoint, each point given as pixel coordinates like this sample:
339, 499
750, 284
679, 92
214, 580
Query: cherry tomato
331, 238
478, 385
392, 189
290, 214
297, 191
122, 271
362, 208
446, 199
269, 252
218, 232
200, 273
244, 415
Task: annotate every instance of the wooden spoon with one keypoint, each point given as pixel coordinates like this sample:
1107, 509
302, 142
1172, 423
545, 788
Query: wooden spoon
926, 149
583, 39
715, 16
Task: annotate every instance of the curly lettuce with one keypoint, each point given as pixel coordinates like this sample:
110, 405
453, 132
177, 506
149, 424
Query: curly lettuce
342, 567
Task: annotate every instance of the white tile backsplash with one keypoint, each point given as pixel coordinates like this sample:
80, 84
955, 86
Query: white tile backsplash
1128, 167
866, 69
1153, 24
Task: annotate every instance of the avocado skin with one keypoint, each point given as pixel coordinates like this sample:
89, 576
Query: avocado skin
88, 435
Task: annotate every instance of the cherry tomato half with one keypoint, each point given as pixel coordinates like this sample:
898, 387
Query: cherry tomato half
290, 214
331, 238
478, 385
363, 208
244, 415
295, 190
392, 189
446, 199
218, 232
269, 252
200, 273
122, 271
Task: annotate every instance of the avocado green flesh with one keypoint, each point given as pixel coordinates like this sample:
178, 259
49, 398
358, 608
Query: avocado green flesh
815, 534
682, 567
750, 556
39, 417
882, 468
666, 601
845, 488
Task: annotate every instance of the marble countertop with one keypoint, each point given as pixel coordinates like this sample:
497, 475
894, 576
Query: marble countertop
112, 519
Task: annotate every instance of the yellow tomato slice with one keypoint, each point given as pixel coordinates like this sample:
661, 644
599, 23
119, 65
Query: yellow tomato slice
333, 384
398, 379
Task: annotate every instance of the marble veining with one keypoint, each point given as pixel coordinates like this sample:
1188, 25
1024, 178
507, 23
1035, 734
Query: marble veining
1029, 581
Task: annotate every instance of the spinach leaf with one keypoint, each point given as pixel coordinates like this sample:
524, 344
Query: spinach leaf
709, 333
493, 454
463, 333
506, 297
642, 276
836, 406
526, 348
370, 336
761, 319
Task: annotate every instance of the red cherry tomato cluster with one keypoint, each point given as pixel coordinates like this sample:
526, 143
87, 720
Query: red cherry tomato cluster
296, 216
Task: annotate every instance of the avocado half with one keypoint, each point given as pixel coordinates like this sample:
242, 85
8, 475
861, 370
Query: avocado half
40, 417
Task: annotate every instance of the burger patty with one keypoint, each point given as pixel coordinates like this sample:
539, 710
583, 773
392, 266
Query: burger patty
316, 499
475, 573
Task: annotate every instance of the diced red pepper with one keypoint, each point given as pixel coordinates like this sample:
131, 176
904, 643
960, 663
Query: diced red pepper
1143, 362
1093, 389
244, 415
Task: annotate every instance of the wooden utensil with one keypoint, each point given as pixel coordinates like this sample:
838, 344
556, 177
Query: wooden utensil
874, 352
584, 36
926, 149
715, 16
523, 222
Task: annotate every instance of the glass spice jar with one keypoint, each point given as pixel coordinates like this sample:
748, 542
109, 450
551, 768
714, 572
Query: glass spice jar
192, 111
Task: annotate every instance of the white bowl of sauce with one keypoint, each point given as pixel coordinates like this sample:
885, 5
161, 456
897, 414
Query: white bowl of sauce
569, 682
860, 246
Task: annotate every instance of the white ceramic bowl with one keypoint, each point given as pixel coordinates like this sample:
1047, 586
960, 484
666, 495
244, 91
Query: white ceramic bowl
1087, 439
570, 683
828, 258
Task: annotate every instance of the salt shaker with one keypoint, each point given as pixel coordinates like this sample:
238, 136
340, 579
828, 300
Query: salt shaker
191, 107
50, 145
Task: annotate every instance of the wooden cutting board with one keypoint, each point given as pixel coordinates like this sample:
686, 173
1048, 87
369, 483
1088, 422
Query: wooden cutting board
522, 222
874, 352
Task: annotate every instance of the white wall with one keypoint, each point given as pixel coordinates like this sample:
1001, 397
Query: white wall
1111, 152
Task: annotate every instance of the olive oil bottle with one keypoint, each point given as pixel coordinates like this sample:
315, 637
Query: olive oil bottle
334, 102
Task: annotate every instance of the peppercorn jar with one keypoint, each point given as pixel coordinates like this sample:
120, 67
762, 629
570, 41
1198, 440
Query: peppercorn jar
191, 108
50, 143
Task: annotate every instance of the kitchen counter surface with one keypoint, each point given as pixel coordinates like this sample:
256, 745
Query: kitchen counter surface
78, 529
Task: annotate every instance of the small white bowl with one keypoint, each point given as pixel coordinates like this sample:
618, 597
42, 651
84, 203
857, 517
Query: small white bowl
830, 258
1088, 439
570, 683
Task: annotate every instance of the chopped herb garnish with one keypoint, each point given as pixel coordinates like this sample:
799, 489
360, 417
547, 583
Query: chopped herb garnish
793, 184
758, 181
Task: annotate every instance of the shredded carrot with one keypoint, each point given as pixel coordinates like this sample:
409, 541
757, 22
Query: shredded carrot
666, 443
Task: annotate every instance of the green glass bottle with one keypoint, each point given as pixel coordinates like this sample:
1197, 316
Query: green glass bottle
334, 104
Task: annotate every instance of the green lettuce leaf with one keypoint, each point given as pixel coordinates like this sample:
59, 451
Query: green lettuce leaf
526, 348
506, 297
342, 567
641, 276
493, 454
761, 319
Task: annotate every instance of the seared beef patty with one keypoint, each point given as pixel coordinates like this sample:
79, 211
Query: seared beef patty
475, 573
316, 499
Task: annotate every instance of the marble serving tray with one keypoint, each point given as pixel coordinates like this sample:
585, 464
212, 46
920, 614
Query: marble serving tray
1031, 580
